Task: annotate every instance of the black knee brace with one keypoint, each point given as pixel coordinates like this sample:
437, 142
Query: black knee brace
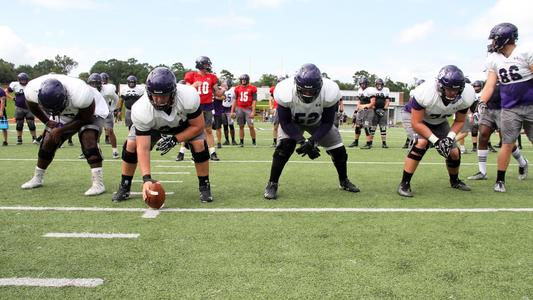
367, 131
383, 131
451, 163
474, 133
128, 157
285, 148
357, 130
338, 154
414, 151
92, 155
31, 124
20, 124
201, 156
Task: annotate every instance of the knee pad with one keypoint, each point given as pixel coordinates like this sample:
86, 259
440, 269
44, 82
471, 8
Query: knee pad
416, 153
201, 156
20, 124
31, 124
338, 154
46, 155
367, 131
451, 163
93, 155
357, 130
128, 157
383, 131
474, 133
285, 148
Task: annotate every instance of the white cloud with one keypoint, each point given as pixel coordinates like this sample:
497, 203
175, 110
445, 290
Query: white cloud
415, 32
66, 4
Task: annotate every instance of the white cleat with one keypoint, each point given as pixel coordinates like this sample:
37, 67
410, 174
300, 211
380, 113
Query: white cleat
115, 155
522, 171
499, 187
96, 189
34, 182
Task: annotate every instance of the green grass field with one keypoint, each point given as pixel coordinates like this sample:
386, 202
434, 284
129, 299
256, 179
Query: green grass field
269, 254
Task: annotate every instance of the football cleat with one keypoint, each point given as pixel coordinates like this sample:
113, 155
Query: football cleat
34, 182
180, 156
115, 155
233, 143
35, 141
499, 187
98, 184
219, 145
478, 176
123, 193
81, 156
271, 190
241, 145
354, 144
226, 143
491, 149
460, 185
384, 145
367, 147
70, 143
404, 190
19, 141
522, 171
4, 143
205, 194
214, 156
347, 185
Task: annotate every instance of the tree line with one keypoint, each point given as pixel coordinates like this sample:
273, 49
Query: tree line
119, 70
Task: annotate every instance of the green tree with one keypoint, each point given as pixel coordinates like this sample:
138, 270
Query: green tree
344, 85
65, 64
7, 71
179, 70
267, 80
227, 76
84, 76
359, 74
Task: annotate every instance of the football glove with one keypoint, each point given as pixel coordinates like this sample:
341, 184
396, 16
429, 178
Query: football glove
166, 143
444, 146
481, 106
380, 112
308, 148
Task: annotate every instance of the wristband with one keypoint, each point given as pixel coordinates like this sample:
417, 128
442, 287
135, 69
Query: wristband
433, 138
147, 178
451, 135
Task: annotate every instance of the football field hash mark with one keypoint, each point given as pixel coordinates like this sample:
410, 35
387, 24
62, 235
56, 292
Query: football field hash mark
92, 235
51, 282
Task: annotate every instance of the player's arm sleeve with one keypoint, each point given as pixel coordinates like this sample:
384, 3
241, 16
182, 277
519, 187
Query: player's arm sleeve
194, 114
288, 126
328, 117
415, 104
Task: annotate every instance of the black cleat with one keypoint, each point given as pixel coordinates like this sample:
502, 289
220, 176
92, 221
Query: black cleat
460, 185
226, 143
367, 147
214, 156
180, 157
241, 145
491, 149
19, 141
205, 194
219, 145
4, 143
347, 185
271, 190
233, 143
384, 145
404, 190
123, 193
354, 144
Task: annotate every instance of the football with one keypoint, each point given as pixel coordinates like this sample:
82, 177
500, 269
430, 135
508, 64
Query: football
156, 196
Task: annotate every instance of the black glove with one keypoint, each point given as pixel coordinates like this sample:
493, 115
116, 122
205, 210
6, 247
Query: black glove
166, 143
444, 146
380, 112
308, 148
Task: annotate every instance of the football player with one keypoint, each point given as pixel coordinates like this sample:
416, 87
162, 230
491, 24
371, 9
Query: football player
244, 107
218, 112
365, 113
129, 96
273, 105
227, 121
307, 103
171, 109
205, 82
108, 92
66, 106
512, 67
431, 104
381, 109
21, 109
3, 116
406, 118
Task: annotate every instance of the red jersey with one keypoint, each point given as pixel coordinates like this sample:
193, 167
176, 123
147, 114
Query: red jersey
205, 89
272, 88
245, 95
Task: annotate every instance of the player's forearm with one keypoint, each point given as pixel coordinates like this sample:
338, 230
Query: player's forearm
143, 156
37, 111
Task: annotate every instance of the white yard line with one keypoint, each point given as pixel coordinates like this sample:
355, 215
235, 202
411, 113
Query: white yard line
51, 282
277, 210
174, 166
171, 173
92, 235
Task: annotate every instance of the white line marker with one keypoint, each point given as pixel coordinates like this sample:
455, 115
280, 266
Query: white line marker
279, 210
51, 282
167, 173
176, 166
163, 181
151, 213
92, 235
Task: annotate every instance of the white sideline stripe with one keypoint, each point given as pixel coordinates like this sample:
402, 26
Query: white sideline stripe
162, 181
175, 166
169, 173
277, 210
51, 282
92, 235
151, 214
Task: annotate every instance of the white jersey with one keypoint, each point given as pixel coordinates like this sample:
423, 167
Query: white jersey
365, 95
512, 69
100, 106
110, 96
307, 114
230, 97
16, 87
427, 96
145, 117
79, 94
130, 95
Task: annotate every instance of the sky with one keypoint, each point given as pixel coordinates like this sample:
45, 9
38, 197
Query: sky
401, 40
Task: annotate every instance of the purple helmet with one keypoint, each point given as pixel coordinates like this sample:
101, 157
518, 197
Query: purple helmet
478, 85
52, 96
23, 77
161, 81
245, 78
363, 82
105, 77
203, 63
501, 35
95, 80
132, 81
379, 82
308, 82
452, 77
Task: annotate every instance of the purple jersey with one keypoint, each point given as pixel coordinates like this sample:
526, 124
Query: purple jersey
520, 93
18, 89
495, 101
219, 108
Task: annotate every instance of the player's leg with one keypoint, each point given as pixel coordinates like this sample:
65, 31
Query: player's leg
418, 149
200, 154
250, 123
484, 133
241, 120
129, 164
19, 118
284, 149
511, 125
89, 146
30, 120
